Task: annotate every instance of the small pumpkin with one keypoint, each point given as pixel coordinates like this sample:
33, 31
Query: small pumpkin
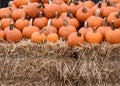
22, 22
89, 3
4, 11
38, 36
41, 21
75, 39
19, 3
92, 20
48, 27
116, 17
12, 34
5, 21
113, 35
94, 36
83, 13
65, 30
28, 30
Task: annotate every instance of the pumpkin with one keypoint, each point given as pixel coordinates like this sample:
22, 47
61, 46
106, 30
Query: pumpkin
118, 5
57, 21
4, 11
114, 1
34, 0
2, 34
17, 14
85, 29
33, 9
103, 29
109, 9
11, 5
65, 30
19, 3
72, 20
94, 36
58, 2
75, 39
24, 7
48, 27
52, 37
28, 30
41, 21
38, 36
92, 20
74, 6
12, 34
22, 22
116, 17
113, 35
89, 3
5, 21
83, 13
64, 7
51, 8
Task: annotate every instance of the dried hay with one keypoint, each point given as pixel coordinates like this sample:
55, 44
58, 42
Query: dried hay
31, 64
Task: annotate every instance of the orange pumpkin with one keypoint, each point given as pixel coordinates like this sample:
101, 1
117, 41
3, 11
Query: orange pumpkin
28, 30
38, 36
33, 9
92, 20
11, 5
94, 36
22, 22
116, 17
75, 39
19, 3
83, 13
51, 8
65, 30
113, 35
114, 1
48, 27
5, 21
34, 0
17, 14
12, 34
40, 21
57, 21
4, 11
89, 3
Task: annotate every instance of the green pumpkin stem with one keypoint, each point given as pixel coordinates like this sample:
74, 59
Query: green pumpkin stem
112, 25
84, 9
105, 23
79, 34
118, 14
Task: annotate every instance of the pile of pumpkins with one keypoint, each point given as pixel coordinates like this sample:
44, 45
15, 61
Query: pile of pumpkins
75, 21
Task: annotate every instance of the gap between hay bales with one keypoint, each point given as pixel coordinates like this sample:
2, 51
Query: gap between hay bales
31, 64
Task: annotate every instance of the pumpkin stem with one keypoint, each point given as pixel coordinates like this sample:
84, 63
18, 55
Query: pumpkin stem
0, 25
10, 3
31, 22
97, 14
75, 2
79, 34
99, 4
50, 1
69, 1
112, 25
11, 24
40, 14
84, 9
65, 22
6, 16
43, 6
94, 29
28, 3
41, 31
40, 6
105, 23
23, 16
68, 12
114, 4
108, 3
118, 14
86, 24
49, 25
56, 15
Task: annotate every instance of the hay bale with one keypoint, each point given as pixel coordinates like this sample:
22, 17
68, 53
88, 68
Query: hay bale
49, 64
